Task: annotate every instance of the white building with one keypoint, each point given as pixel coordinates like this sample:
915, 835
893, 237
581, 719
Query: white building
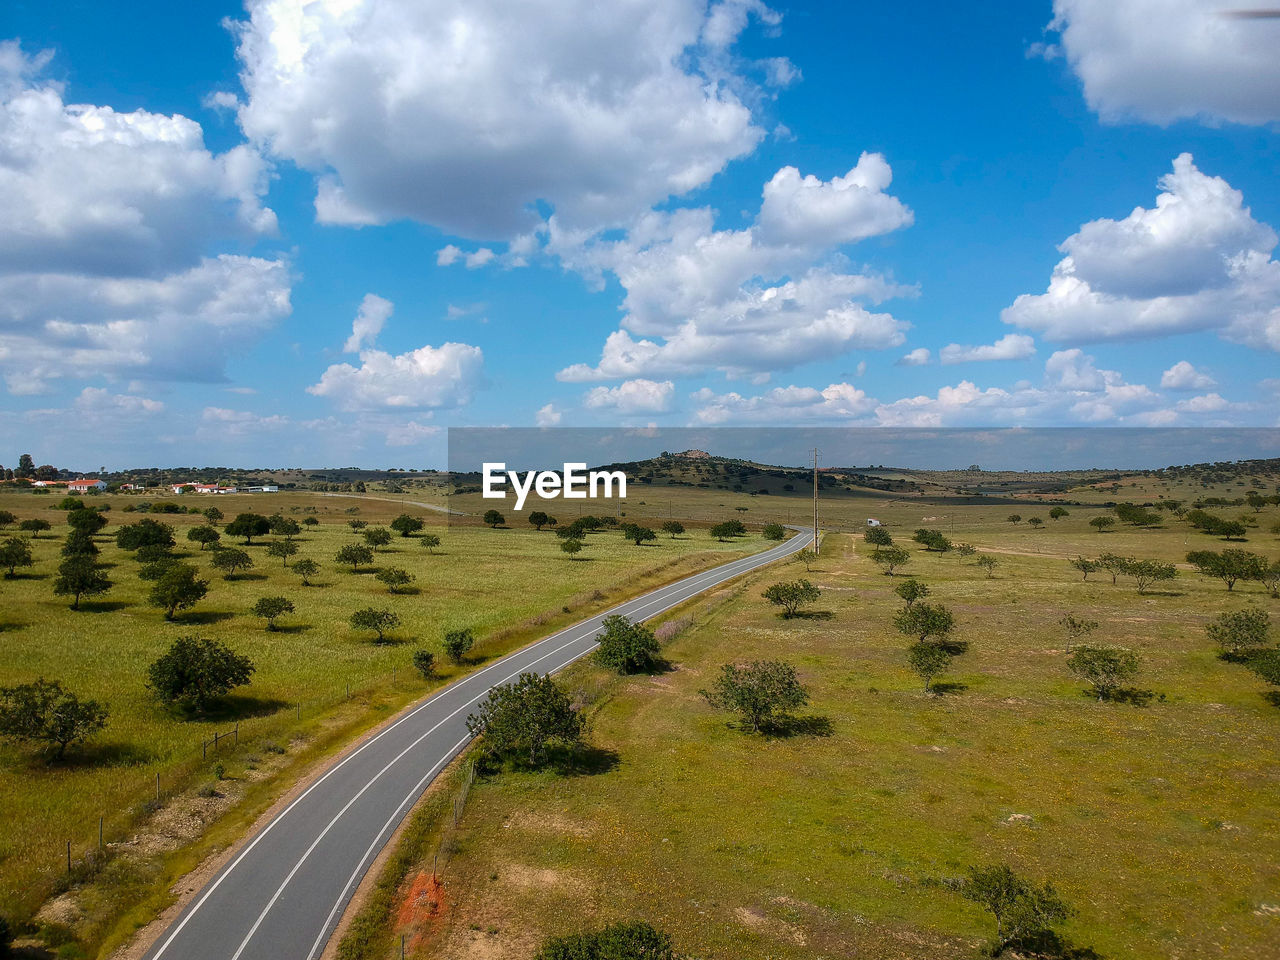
84, 486
873, 522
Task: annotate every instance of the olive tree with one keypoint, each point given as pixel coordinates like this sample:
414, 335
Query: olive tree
673, 527
519, 721
272, 608
231, 561
15, 552
911, 590
878, 537
791, 595
571, 547
354, 554
1240, 632
407, 525
627, 647
43, 712
891, 558
457, 644
988, 563
395, 578
179, 588
928, 660
927, 622
379, 621
284, 549
79, 576
763, 693
306, 568
195, 671
1106, 668
1021, 909
429, 541
377, 537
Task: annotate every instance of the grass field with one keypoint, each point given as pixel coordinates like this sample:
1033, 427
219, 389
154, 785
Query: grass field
1157, 822
509, 585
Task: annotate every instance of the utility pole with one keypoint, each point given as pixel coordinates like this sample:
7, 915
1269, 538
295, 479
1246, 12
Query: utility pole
815, 500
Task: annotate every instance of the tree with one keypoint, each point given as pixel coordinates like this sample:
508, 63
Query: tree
306, 568
1114, 565
1021, 909
1240, 632
377, 537
248, 525
231, 561
90, 521
620, 941
284, 549
457, 644
407, 525
425, 661
571, 547
807, 557
26, 467
178, 589
152, 553
1014, 518
1035, 522
627, 647
911, 590
1102, 523
429, 542
727, 530
1104, 667
927, 622
281, 526
271, 608
878, 537
145, 533
988, 563
791, 595
1147, 572
520, 720
1085, 566
1270, 579
891, 558
14, 552
44, 712
310, 522
195, 671
203, 535
357, 525
354, 554
1075, 627
932, 540
213, 515
673, 527
539, 519
78, 577
379, 621
1228, 566
395, 578
763, 693
774, 531
7, 519
34, 526
79, 544
638, 534
928, 660
1266, 664
494, 519
1057, 513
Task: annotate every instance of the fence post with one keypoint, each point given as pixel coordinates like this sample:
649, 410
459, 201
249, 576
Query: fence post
204, 749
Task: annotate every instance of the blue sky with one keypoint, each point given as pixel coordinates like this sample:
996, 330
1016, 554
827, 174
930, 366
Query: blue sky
667, 212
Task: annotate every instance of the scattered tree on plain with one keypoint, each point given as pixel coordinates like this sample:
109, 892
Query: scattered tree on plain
1057, 513
791, 595
988, 563
354, 554
15, 552
79, 576
928, 660
627, 647
911, 590
763, 693
673, 527
774, 531
89, 521
1107, 668
878, 537
457, 644
1147, 572
284, 549
407, 525
231, 561
79, 544
1229, 566
203, 535
891, 558
620, 941
494, 519
272, 608
539, 519
638, 534
178, 589
43, 712
379, 621
395, 578
196, 671
377, 537
1113, 564
1035, 522
248, 525
926, 622
306, 568
7, 519
807, 557
425, 662
280, 526
1102, 523
521, 720
213, 515
34, 526
571, 547
1014, 518
728, 530
429, 541
357, 525
1240, 632
1021, 909
1085, 566
1077, 627
933, 540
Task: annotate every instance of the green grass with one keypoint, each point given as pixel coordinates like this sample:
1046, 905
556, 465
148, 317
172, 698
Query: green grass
1157, 823
509, 586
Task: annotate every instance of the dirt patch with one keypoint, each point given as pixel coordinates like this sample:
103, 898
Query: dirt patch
532, 878
424, 909
770, 926
552, 823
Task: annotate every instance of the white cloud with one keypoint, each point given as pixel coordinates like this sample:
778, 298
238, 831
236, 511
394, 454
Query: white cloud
373, 313
96, 402
1208, 403
744, 301
466, 113
632, 396
411, 433
1012, 346
836, 402
479, 258
915, 358
1197, 261
429, 377
811, 212
1167, 60
447, 255
780, 72
180, 327
87, 189
1183, 376
547, 416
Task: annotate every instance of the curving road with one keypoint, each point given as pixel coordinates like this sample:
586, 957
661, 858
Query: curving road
282, 894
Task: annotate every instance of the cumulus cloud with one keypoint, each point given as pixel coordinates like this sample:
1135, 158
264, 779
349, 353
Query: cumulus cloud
1012, 346
547, 416
96, 402
466, 113
180, 327
87, 189
426, 378
1196, 261
1183, 376
1167, 60
373, 313
745, 301
915, 358
836, 402
411, 433
632, 396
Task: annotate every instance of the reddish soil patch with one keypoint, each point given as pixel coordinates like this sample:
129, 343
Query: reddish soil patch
423, 909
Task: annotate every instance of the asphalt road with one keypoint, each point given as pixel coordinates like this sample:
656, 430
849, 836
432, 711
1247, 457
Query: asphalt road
282, 894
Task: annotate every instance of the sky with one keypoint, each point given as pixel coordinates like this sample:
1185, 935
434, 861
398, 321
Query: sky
286, 233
